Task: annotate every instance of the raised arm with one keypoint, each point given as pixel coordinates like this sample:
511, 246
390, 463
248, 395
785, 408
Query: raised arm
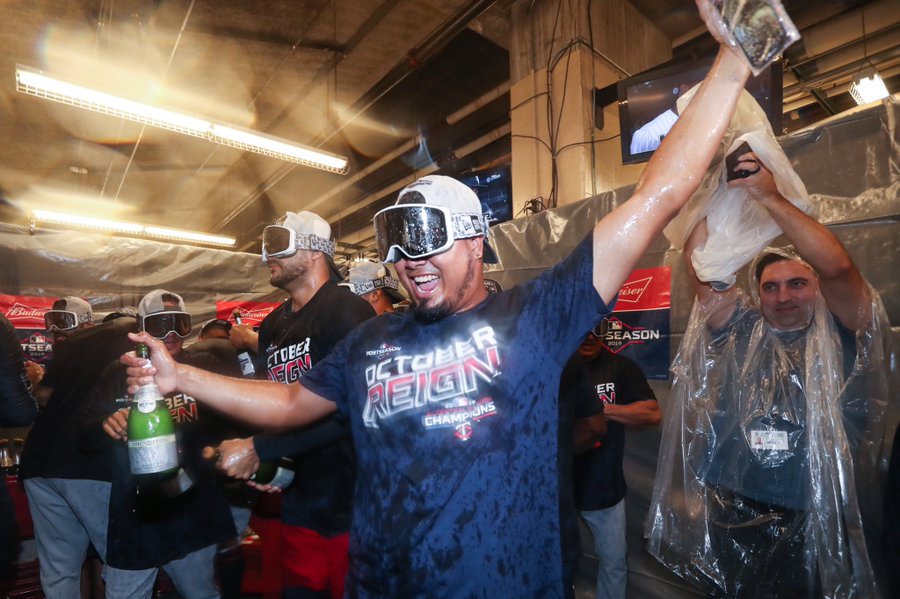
843, 287
260, 403
671, 177
724, 306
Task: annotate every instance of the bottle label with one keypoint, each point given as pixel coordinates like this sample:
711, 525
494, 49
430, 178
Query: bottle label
156, 454
145, 405
246, 363
283, 477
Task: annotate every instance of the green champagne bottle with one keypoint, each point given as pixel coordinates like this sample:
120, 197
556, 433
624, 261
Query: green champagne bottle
152, 445
278, 474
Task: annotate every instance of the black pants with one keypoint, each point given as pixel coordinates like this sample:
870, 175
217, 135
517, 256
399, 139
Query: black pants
761, 549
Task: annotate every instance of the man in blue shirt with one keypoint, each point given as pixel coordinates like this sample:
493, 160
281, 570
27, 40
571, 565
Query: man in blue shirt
453, 405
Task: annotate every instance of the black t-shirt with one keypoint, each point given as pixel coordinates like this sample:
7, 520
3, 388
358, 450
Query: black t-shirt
51, 449
576, 401
598, 475
290, 344
138, 538
17, 406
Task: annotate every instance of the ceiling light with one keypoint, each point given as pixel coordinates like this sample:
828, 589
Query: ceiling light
868, 87
112, 226
35, 83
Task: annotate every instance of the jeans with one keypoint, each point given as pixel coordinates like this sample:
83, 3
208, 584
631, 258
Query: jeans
192, 576
68, 515
608, 529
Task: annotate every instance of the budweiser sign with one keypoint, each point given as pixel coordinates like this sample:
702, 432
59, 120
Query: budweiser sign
252, 313
25, 312
646, 289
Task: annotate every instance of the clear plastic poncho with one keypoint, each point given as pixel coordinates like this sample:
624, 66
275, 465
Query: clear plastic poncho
766, 482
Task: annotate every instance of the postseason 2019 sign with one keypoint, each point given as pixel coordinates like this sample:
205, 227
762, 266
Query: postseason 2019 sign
639, 325
26, 313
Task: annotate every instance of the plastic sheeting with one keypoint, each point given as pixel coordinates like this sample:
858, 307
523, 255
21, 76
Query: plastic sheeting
765, 447
112, 272
850, 166
738, 226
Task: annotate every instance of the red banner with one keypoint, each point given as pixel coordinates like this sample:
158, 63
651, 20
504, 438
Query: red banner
646, 289
24, 311
252, 313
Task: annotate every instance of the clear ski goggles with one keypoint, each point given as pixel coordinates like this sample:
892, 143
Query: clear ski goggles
282, 242
419, 230
60, 320
160, 324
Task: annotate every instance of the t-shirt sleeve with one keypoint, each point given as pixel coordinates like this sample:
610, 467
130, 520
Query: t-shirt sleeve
634, 385
562, 304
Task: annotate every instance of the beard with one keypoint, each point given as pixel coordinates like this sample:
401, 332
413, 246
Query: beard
289, 273
430, 314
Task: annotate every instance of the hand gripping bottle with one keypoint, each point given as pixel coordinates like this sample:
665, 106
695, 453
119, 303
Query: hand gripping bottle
278, 474
152, 447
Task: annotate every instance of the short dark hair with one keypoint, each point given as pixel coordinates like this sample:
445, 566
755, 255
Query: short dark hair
766, 260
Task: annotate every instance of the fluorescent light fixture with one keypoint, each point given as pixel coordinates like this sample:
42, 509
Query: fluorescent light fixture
274, 147
87, 222
869, 87
35, 83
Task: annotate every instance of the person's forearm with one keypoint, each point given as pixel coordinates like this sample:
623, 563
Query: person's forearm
260, 403
671, 177
678, 165
814, 242
638, 413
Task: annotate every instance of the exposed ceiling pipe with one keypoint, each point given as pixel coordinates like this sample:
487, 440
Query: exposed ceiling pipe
842, 71
482, 100
845, 28
407, 146
414, 60
802, 100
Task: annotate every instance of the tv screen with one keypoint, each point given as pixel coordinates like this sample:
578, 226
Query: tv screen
647, 103
494, 188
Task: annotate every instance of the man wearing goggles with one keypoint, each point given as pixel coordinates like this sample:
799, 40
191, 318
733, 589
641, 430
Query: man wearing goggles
294, 337
437, 238
181, 534
372, 282
454, 410
162, 315
67, 315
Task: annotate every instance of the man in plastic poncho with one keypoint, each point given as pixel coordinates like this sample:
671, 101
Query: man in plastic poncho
770, 428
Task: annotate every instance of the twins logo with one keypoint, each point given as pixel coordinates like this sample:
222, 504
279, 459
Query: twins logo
444, 381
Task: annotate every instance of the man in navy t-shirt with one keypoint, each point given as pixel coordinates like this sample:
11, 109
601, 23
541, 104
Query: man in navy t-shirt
453, 404
598, 473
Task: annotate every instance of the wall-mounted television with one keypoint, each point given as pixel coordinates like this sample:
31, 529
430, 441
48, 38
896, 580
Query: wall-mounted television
494, 189
647, 103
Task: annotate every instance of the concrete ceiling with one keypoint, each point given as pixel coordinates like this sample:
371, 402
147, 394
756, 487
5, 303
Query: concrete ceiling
374, 80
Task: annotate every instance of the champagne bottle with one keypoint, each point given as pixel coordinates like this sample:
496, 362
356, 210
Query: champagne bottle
278, 474
152, 446
18, 447
244, 357
6, 459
